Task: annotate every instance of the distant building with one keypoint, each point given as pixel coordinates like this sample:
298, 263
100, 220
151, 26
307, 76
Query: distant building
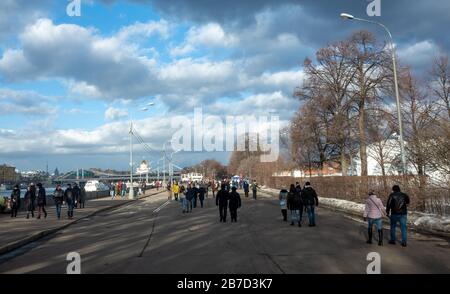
8, 174
192, 177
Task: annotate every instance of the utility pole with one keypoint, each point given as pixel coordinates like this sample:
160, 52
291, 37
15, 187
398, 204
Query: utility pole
131, 194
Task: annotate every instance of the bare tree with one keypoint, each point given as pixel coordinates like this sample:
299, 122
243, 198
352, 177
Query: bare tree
419, 115
370, 62
440, 85
327, 86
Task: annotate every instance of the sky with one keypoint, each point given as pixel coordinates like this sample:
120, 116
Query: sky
70, 85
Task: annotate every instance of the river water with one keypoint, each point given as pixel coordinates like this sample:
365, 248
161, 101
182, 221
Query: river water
7, 193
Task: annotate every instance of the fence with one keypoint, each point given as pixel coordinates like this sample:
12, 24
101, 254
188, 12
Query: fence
424, 196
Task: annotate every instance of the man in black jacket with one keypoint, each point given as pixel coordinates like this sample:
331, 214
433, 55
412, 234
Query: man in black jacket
234, 204
76, 194
310, 199
41, 200
396, 209
222, 201
70, 201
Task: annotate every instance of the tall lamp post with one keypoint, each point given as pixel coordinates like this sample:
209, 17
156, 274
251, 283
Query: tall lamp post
397, 95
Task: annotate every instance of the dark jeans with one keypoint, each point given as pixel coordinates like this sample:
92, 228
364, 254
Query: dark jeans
195, 202
14, 209
254, 194
284, 213
401, 218
41, 208
201, 202
70, 209
311, 214
223, 213
233, 213
58, 210
246, 193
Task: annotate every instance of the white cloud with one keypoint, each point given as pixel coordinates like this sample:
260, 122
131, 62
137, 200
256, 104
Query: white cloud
418, 55
115, 113
26, 102
210, 35
144, 30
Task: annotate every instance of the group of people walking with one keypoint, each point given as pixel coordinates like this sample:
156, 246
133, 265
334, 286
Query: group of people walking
72, 196
297, 200
190, 196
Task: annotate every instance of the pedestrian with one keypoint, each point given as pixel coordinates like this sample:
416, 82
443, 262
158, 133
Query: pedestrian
82, 197
246, 188
58, 198
254, 189
123, 190
373, 213
214, 188
15, 201
190, 198
176, 190
397, 210
41, 201
222, 201
195, 194
112, 191
283, 202
69, 199
29, 202
117, 189
183, 199
76, 195
310, 200
201, 194
294, 204
234, 203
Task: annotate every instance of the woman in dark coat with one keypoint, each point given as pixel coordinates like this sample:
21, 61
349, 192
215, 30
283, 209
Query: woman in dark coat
294, 204
234, 203
15, 201
41, 201
82, 197
29, 202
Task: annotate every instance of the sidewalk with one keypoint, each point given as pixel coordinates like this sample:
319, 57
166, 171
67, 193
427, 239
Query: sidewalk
16, 232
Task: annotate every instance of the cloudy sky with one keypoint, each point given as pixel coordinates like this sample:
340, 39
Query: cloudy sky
69, 85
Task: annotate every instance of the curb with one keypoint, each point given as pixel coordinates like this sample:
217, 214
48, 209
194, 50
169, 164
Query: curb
17, 244
359, 219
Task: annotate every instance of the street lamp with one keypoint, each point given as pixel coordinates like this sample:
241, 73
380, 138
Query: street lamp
397, 95
131, 194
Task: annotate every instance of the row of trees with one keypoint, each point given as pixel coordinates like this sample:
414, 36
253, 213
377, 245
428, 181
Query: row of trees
210, 168
348, 104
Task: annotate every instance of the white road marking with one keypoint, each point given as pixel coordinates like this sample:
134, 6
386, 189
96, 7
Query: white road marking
162, 206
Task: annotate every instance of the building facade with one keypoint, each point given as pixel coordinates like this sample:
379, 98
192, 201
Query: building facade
7, 174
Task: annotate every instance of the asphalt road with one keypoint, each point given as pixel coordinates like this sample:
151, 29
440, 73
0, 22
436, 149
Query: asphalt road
152, 236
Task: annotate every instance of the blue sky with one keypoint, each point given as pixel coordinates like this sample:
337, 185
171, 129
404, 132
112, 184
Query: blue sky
68, 85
